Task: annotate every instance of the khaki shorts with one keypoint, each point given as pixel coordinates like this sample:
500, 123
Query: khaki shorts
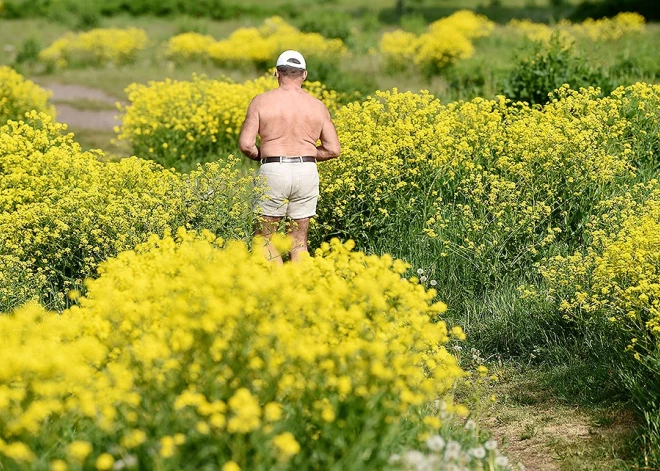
293, 190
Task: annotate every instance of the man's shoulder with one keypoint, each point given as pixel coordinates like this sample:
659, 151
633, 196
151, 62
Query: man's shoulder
314, 100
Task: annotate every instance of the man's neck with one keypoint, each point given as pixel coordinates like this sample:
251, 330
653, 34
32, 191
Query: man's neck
290, 85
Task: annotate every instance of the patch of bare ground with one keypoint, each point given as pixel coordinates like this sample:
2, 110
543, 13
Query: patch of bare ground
83, 107
539, 433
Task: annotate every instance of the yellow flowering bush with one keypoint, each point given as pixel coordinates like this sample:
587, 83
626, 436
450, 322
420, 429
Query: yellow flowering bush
18, 96
185, 355
606, 29
398, 48
440, 48
536, 31
178, 122
446, 41
466, 22
618, 276
611, 286
487, 185
188, 47
62, 211
260, 46
95, 47
601, 30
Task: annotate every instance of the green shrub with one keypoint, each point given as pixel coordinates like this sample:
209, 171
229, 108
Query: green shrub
189, 24
331, 24
347, 84
413, 23
85, 13
546, 68
28, 52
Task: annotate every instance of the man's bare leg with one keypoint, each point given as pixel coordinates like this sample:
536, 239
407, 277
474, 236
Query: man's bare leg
298, 231
266, 227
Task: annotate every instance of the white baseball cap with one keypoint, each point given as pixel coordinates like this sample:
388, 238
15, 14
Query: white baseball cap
292, 59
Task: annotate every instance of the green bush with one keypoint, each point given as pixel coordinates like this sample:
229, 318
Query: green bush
331, 24
86, 12
189, 24
597, 9
28, 51
335, 78
546, 68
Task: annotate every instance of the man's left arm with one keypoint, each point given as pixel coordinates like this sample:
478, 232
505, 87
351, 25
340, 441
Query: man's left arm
247, 141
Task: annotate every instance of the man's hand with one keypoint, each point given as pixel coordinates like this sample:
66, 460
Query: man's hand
247, 141
329, 148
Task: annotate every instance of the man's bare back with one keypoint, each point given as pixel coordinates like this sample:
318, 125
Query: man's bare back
289, 121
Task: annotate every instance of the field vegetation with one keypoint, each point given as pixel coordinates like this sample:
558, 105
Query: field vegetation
485, 255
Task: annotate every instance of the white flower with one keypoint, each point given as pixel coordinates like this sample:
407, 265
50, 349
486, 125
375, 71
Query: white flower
502, 461
435, 443
422, 279
453, 450
490, 445
395, 458
128, 461
433, 282
420, 271
431, 463
478, 452
413, 457
470, 425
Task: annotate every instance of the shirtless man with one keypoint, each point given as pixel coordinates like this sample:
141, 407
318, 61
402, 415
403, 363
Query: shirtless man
289, 122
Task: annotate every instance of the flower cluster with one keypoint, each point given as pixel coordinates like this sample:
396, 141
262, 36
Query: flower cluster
18, 96
62, 211
96, 47
254, 45
618, 275
488, 184
447, 40
196, 352
189, 121
188, 47
611, 285
604, 29
466, 22
441, 454
540, 32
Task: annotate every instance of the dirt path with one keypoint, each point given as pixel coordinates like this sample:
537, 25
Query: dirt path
100, 120
68, 100
543, 434
77, 92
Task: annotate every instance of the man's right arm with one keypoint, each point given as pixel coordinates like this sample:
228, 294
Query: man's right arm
247, 141
329, 148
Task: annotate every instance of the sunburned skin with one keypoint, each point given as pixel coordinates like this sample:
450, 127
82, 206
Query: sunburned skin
289, 121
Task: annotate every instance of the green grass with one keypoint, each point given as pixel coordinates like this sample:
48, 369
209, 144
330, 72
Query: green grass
106, 141
85, 104
114, 81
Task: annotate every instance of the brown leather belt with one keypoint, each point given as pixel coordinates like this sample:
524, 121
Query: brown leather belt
288, 160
